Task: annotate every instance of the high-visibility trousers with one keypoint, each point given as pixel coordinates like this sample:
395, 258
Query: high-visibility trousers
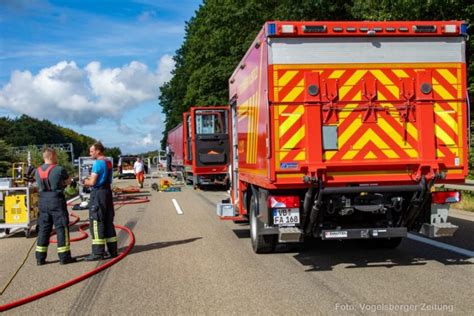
140, 176
53, 211
101, 216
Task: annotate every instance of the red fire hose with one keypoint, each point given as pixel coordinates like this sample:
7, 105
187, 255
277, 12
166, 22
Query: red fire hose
125, 200
77, 279
84, 235
129, 189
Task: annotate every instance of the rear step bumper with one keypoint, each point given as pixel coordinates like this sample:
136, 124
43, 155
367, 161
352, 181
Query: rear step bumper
364, 233
438, 230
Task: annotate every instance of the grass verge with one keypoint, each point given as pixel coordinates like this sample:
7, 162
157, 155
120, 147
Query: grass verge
467, 202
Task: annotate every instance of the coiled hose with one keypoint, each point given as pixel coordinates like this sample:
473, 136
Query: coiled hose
84, 235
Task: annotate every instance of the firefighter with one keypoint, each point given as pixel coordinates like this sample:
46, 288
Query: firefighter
101, 209
139, 171
169, 155
51, 180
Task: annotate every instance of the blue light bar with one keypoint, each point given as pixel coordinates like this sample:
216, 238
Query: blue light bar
463, 30
271, 29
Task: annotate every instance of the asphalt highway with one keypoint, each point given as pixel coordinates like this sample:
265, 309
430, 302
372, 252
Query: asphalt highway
194, 263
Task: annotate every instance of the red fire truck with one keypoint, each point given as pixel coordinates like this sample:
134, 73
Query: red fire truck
201, 146
341, 129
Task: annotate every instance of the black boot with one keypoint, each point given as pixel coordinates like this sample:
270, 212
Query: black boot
40, 262
112, 254
94, 257
67, 260
112, 249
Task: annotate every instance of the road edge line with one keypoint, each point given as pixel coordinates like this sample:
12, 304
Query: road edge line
438, 244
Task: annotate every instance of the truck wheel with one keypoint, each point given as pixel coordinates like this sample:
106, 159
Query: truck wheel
260, 243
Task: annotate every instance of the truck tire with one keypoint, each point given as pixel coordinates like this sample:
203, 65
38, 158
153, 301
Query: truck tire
260, 243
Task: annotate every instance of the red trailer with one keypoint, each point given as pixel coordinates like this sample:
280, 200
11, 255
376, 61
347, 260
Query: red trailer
175, 142
203, 144
341, 129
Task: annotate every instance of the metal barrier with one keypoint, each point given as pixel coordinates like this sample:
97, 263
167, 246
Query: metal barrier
467, 186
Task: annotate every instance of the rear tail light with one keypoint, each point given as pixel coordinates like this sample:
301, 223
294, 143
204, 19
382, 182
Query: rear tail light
444, 197
283, 202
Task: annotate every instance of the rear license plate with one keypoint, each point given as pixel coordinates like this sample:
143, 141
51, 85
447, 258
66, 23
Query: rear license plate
335, 234
286, 216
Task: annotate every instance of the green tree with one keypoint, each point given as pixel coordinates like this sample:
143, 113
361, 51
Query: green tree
6, 158
37, 159
113, 152
25, 130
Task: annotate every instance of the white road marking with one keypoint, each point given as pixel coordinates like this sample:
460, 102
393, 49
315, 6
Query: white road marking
462, 251
177, 207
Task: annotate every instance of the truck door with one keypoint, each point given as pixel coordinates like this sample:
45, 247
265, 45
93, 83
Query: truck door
235, 150
212, 138
189, 142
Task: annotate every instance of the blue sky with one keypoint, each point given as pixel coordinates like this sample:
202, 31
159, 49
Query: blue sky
92, 65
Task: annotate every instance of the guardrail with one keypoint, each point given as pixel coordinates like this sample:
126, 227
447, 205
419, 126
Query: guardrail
467, 186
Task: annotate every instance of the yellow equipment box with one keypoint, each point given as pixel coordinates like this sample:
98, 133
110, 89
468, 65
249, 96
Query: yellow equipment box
16, 211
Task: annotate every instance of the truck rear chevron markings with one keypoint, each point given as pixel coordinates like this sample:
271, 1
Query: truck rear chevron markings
393, 137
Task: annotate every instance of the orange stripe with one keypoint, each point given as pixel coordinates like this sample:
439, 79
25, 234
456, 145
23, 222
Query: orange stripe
290, 86
347, 146
295, 152
445, 150
290, 132
370, 147
446, 128
442, 81
389, 141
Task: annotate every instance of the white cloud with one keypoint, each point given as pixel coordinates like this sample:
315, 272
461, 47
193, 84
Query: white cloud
124, 129
146, 16
82, 96
147, 140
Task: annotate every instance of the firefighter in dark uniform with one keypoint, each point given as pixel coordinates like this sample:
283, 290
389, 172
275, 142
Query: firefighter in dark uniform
101, 206
51, 180
169, 157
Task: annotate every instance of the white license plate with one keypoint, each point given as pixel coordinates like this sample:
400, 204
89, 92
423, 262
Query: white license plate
286, 216
337, 234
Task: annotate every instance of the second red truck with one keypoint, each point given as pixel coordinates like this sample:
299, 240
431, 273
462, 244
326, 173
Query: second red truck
200, 146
